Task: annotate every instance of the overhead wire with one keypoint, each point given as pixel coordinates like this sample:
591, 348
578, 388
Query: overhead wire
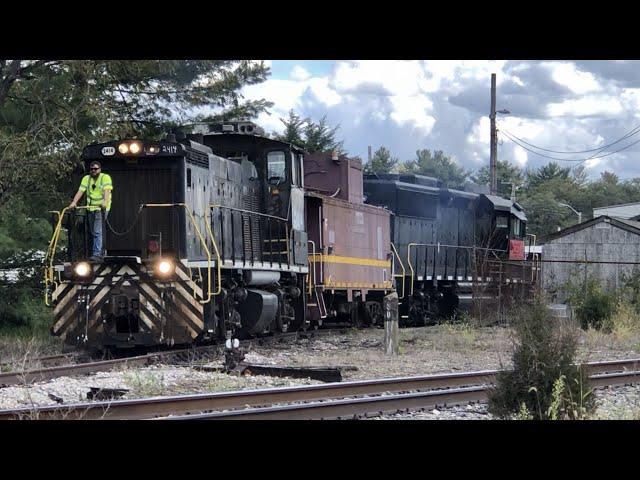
592, 157
602, 147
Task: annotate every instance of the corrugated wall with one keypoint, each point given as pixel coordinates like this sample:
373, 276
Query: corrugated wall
599, 242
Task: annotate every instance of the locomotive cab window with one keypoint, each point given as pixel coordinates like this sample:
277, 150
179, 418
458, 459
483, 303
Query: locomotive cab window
301, 169
515, 227
502, 221
276, 168
295, 170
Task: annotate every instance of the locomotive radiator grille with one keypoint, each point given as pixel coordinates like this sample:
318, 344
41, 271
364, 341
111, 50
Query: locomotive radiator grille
251, 231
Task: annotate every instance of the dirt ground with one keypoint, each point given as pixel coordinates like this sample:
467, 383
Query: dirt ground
436, 349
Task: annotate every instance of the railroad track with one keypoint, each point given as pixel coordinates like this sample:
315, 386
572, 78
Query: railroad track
22, 377
325, 401
45, 361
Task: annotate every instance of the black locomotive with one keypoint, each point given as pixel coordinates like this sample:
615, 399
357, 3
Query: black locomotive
207, 239
231, 233
447, 242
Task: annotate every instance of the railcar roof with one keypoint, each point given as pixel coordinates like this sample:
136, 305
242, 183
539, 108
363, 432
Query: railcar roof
422, 188
260, 137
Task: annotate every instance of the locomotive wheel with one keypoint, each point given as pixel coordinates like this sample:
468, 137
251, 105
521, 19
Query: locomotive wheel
373, 314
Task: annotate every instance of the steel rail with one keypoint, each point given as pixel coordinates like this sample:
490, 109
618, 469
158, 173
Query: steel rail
41, 374
350, 408
38, 375
359, 407
47, 360
196, 403
184, 404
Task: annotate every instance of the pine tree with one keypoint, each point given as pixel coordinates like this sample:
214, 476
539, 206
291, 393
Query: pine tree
381, 162
437, 165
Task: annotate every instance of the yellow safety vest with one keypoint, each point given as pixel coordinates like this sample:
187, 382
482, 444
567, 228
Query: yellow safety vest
95, 190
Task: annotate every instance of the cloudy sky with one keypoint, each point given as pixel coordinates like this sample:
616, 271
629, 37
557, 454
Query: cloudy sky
408, 105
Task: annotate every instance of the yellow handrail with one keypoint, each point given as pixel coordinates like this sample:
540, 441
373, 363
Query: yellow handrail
410, 265
218, 260
51, 253
202, 241
402, 266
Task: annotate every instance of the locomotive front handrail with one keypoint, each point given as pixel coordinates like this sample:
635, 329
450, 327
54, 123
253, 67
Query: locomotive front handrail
51, 251
202, 241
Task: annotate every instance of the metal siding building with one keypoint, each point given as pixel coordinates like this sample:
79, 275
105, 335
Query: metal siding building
623, 211
602, 239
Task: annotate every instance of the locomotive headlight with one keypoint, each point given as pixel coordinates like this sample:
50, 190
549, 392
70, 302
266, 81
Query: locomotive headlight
135, 148
165, 267
123, 148
82, 269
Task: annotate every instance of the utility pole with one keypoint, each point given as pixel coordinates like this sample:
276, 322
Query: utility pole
369, 154
493, 159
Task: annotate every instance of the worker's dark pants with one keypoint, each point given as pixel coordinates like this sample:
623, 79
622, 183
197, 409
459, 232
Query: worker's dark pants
95, 224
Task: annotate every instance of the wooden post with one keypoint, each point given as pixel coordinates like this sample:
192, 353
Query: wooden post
390, 307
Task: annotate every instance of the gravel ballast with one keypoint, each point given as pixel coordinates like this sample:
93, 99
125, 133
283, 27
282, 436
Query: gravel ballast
428, 350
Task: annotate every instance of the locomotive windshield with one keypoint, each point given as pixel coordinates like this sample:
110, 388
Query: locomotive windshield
276, 167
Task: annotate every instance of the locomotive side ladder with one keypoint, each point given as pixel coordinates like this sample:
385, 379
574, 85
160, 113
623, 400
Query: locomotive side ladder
313, 286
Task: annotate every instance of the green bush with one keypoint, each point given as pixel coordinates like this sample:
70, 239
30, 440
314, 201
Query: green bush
592, 305
544, 381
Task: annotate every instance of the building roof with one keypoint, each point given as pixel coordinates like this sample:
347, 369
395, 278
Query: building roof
499, 203
623, 210
628, 225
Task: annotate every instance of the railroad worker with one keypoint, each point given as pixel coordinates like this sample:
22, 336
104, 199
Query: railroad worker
97, 186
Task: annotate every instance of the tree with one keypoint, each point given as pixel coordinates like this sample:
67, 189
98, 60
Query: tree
50, 109
506, 174
293, 129
548, 172
381, 162
437, 165
309, 135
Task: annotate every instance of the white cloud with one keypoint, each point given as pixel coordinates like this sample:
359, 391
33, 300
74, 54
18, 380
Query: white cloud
577, 81
323, 92
520, 156
413, 110
586, 106
298, 72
